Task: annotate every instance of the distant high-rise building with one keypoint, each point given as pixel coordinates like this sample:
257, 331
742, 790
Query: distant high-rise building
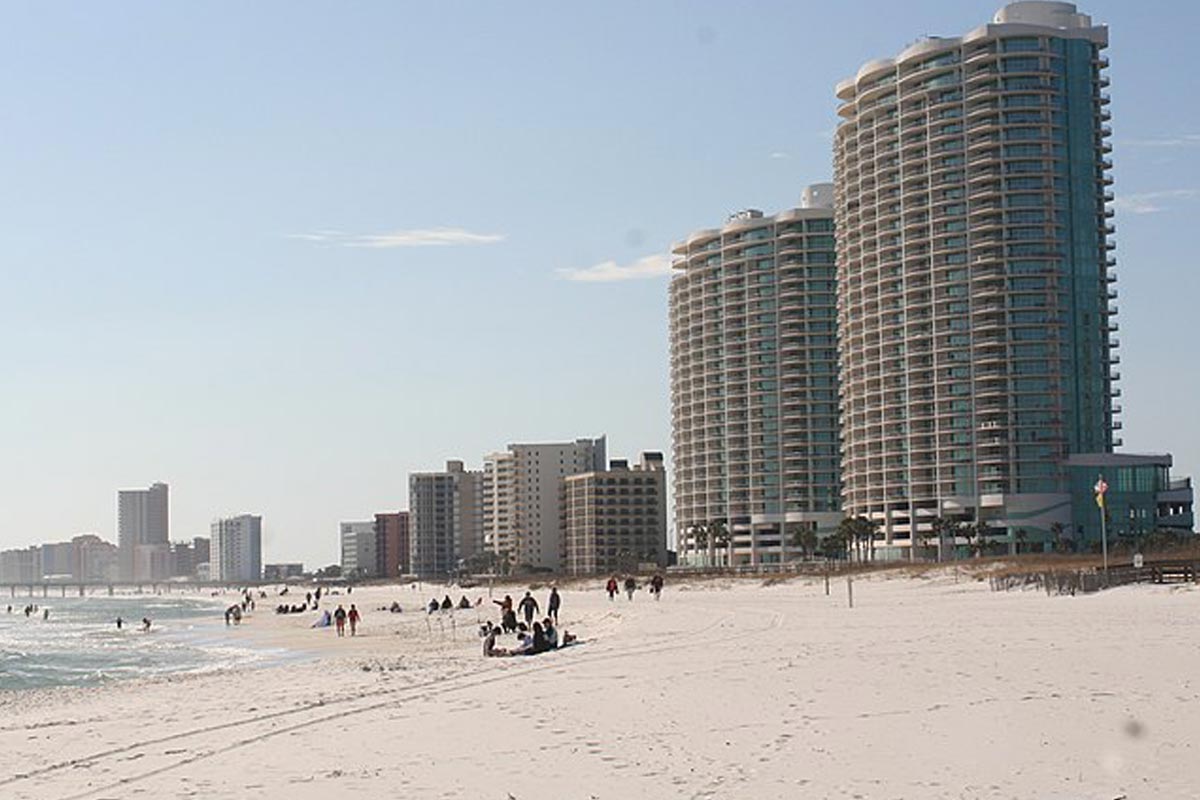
235, 551
57, 560
93, 560
391, 544
359, 552
754, 392
142, 533
21, 566
975, 274
446, 524
616, 519
201, 553
522, 498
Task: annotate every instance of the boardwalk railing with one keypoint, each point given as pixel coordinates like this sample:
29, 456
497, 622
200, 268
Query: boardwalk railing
1086, 581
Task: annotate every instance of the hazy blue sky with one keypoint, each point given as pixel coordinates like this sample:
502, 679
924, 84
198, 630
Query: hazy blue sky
281, 254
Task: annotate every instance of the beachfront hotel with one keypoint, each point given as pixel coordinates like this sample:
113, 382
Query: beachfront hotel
754, 397
143, 529
360, 549
615, 520
975, 274
235, 549
445, 523
522, 498
392, 551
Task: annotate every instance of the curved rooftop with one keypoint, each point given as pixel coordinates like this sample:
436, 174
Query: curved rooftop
1024, 16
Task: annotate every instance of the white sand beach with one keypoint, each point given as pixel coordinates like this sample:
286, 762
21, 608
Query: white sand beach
927, 688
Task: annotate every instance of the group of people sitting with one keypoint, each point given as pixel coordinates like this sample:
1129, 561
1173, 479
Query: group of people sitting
542, 638
448, 605
286, 609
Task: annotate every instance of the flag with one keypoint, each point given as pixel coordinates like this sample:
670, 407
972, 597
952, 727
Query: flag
1100, 488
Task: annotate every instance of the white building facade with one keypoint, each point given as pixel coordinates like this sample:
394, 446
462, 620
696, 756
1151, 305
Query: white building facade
143, 533
522, 499
754, 392
235, 549
359, 549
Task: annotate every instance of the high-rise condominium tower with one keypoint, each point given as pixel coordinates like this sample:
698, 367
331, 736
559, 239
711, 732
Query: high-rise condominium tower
235, 549
974, 273
143, 532
754, 382
522, 498
446, 522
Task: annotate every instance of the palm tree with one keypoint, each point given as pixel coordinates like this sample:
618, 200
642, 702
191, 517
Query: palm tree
805, 538
847, 531
835, 544
699, 534
944, 527
976, 534
721, 537
1059, 532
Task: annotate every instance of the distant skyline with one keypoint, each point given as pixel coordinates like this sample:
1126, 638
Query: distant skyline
279, 256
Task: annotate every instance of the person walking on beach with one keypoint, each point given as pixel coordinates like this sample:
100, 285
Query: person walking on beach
630, 587
656, 584
120, 622
339, 618
611, 588
529, 607
553, 603
353, 616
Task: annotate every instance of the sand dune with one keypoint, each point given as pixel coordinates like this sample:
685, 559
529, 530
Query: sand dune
927, 688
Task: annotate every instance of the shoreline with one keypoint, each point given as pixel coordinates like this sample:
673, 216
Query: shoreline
765, 689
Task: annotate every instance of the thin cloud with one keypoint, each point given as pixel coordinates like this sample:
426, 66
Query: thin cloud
1152, 202
1178, 140
646, 268
779, 155
421, 237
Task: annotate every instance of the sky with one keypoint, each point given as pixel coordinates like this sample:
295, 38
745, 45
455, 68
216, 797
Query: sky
280, 254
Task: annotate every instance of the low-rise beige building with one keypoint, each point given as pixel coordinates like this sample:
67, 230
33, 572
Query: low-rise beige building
616, 519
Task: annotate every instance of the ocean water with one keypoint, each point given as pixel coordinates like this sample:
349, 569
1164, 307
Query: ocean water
80, 644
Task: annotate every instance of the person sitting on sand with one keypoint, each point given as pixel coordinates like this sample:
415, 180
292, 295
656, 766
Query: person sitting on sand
464, 603
394, 607
551, 634
489, 643
434, 605
447, 604
539, 645
145, 624
524, 644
